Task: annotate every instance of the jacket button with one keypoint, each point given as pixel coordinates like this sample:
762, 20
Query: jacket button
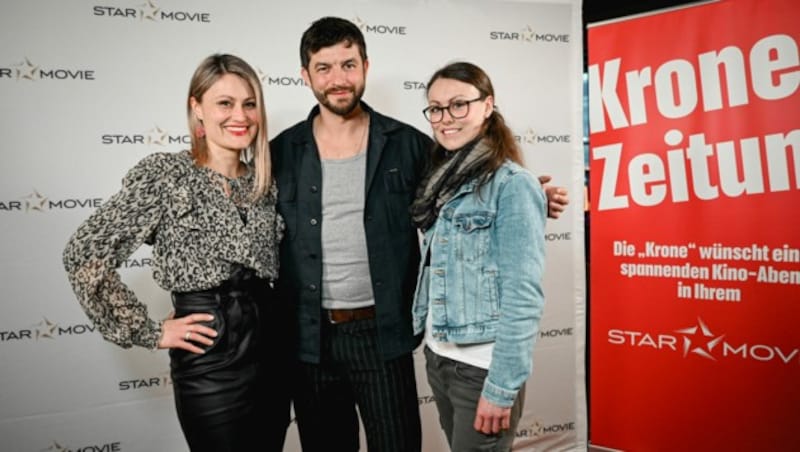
313, 222
312, 287
314, 189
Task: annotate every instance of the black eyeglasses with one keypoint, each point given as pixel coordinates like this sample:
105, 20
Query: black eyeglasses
457, 109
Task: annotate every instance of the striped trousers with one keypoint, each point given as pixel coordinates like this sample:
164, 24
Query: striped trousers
351, 380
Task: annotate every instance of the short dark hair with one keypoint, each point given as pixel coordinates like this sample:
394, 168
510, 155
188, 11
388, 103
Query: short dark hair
327, 32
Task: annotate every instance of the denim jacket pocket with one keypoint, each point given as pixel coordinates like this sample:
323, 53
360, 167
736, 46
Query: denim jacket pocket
469, 222
471, 231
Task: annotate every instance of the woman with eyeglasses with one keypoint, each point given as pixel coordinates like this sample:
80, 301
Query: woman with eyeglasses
479, 294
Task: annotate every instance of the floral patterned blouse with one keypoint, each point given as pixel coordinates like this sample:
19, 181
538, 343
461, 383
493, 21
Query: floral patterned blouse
199, 233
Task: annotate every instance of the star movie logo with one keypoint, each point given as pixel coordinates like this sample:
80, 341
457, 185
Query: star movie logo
45, 330
381, 29
527, 137
699, 340
279, 80
150, 11
525, 35
36, 202
56, 446
538, 429
27, 70
157, 136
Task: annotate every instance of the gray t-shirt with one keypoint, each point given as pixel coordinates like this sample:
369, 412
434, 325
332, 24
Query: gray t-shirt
346, 282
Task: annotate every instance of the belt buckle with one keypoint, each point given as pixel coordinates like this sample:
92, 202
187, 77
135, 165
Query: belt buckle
330, 317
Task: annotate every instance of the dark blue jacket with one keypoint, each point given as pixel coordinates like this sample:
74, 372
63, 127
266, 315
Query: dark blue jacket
396, 157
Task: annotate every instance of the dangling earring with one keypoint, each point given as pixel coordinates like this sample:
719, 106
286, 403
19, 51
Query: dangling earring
199, 131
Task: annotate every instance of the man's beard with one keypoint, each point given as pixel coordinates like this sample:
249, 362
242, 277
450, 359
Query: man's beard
337, 108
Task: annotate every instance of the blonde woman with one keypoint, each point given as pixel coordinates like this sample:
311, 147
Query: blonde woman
209, 214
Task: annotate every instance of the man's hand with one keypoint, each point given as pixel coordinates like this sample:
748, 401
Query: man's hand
557, 198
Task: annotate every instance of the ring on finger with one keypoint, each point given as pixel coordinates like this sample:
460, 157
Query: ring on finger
187, 335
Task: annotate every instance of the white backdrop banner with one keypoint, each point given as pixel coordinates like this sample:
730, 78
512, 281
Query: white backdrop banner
89, 87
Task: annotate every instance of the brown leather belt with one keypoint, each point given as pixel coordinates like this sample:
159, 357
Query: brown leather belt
349, 315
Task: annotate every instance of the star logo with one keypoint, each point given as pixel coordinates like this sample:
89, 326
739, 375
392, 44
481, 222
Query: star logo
27, 70
360, 23
35, 201
157, 136
149, 11
46, 329
528, 34
56, 447
166, 378
700, 334
262, 76
529, 136
533, 430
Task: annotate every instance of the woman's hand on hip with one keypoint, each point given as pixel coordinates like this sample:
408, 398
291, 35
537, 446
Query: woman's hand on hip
186, 332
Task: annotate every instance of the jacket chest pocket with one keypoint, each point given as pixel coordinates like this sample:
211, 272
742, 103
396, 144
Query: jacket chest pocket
399, 195
471, 234
396, 182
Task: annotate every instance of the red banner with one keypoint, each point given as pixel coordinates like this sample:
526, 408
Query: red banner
695, 241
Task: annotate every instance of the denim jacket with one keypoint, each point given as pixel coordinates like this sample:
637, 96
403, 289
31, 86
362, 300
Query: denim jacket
483, 282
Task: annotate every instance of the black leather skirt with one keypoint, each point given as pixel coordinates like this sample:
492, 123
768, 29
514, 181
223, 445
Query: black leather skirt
227, 383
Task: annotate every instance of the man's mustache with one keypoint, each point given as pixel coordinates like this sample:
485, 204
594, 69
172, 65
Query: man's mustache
340, 88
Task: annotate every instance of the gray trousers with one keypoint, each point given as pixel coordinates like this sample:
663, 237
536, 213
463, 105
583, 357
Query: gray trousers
457, 388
